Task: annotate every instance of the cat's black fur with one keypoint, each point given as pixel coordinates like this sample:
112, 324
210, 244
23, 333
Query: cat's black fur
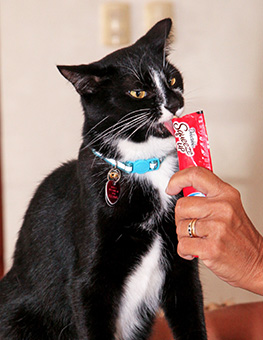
88, 271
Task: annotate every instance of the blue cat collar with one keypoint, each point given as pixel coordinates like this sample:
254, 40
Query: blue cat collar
140, 166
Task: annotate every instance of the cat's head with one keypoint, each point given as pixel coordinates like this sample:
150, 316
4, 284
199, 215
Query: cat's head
130, 93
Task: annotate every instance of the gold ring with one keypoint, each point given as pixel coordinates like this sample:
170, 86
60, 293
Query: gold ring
191, 228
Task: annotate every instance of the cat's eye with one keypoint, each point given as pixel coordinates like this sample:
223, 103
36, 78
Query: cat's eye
172, 81
138, 94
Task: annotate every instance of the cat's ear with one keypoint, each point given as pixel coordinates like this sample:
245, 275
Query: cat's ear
85, 78
158, 36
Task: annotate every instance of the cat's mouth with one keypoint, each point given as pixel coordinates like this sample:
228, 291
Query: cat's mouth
169, 126
163, 130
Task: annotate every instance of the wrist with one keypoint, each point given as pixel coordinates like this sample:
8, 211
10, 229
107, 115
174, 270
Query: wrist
255, 277
257, 285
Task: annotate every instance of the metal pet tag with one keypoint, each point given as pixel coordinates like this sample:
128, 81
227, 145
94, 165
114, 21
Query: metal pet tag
112, 187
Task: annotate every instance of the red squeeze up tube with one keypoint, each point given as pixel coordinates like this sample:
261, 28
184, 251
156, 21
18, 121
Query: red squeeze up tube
192, 144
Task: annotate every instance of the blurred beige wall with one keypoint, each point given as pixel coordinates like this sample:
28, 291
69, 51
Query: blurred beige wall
218, 47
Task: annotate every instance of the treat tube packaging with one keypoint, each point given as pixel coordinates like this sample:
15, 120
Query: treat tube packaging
192, 144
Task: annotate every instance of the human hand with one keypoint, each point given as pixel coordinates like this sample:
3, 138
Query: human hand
226, 242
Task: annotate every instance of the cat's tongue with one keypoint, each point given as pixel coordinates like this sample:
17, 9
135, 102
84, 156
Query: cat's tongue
169, 126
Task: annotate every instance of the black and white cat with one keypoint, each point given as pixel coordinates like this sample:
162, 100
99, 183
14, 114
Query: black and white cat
96, 262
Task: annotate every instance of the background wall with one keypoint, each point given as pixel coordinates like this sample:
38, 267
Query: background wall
218, 47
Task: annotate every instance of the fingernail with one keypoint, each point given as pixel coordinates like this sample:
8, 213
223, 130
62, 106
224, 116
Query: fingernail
196, 256
167, 191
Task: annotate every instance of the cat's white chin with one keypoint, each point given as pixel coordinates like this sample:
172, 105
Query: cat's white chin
152, 147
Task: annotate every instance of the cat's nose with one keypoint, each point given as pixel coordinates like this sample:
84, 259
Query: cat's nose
175, 104
172, 109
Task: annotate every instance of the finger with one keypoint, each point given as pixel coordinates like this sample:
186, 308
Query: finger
200, 178
189, 257
201, 229
189, 248
194, 207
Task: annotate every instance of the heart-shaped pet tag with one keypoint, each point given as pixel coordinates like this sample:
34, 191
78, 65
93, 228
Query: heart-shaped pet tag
112, 192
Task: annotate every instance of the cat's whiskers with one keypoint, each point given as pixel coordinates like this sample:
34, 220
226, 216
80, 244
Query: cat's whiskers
110, 134
100, 122
63, 329
191, 94
140, 126
133, 123
123, 119
93, 128
148, 132
139, 119
124, 123
96, 125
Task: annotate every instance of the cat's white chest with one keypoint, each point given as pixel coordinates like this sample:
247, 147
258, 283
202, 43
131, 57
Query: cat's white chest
142, 288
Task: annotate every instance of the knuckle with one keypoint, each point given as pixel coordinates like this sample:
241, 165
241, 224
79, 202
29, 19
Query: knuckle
221, 231
196, 172
181, 247
178, 230
219, 241
233, 193
213, 253
179, 204
236, 194
179, 207
225, 210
